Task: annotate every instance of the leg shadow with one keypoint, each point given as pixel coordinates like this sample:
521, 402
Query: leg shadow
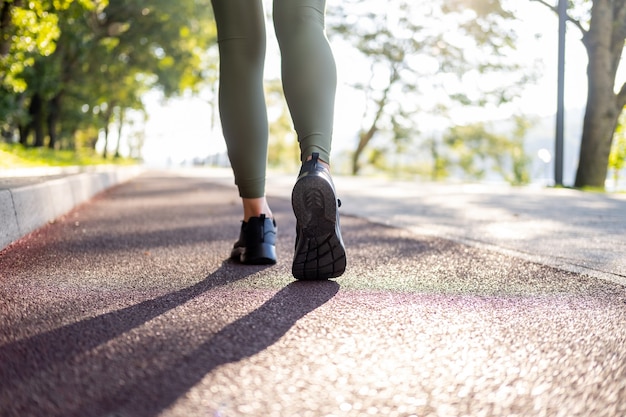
28, 357
241, 339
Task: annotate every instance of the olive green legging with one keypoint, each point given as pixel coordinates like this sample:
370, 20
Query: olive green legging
308, 74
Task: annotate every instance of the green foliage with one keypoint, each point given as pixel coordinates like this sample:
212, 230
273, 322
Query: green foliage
27, 31
440, 163
166, 41
617, 158
479, 151
99, 61
18, 156
520, 160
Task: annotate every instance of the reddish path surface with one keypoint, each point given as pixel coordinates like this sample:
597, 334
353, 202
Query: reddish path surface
127, 307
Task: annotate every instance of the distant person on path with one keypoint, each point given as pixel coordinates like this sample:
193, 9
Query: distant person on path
309, 81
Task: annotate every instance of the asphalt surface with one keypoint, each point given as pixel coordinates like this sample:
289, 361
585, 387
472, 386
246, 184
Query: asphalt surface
128, 306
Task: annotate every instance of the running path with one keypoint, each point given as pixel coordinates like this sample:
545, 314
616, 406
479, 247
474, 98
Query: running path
126, 306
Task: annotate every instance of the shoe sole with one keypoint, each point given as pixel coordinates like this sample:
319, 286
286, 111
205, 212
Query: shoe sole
319, 254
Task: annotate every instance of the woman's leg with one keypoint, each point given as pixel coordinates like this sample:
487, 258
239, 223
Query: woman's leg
241, 38
308, 71
310, 81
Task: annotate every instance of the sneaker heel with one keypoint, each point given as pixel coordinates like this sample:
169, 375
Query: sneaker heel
263, 254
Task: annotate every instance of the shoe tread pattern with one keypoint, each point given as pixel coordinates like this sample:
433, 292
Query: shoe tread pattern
319, 252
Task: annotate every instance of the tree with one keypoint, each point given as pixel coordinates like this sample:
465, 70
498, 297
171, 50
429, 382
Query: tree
440, 163
27, 30
520, 160
108, 54
55, 79
143, 45
480, 151
603, 27
439, 50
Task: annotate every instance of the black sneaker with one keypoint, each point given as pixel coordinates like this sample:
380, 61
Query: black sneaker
319, 252
257, 242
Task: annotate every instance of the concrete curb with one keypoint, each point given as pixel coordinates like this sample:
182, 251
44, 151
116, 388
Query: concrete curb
24, 209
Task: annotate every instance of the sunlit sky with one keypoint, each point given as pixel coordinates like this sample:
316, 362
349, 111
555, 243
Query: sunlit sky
181, 128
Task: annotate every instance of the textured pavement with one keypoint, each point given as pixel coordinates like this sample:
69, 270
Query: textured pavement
127, 306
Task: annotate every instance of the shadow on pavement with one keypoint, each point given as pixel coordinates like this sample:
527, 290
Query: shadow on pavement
240, 339
142, 390
26, 357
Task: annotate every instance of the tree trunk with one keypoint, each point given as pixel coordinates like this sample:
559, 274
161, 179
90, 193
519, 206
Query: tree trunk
366, 137
5, 24
119, 133
106, 141
54, 112
603, 106
598, 128
36, 110
356, 165
437, 171
24, 131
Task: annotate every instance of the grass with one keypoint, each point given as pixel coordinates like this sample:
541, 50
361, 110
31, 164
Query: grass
17, 156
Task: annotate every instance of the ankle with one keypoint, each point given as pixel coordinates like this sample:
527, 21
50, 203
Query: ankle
255, 207
319, 161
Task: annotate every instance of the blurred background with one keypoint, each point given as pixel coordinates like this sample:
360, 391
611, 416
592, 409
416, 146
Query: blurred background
447, 90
